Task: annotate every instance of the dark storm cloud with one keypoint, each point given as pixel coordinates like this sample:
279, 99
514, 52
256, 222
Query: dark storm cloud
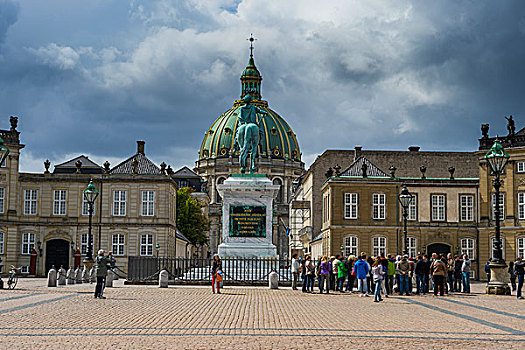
384, 74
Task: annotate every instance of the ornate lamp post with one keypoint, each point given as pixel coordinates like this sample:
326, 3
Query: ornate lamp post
497, 158
90, 195
405, 199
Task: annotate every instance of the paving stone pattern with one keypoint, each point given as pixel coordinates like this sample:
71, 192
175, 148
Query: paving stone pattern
146, 317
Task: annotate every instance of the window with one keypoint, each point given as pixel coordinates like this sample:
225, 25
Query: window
24, 269
520, 247
183, 183
466, 208
119, 203
326, 208
146, 245
520, 167
2, 199
84, 244
148, 203
412, 247
438, 207
467, 247
521, 205
59, 202
279, 197
351, 206
493, 250
118, 244
351, 246
28, 243
85, 207
217, 195
378, 246
2, 243
501, 206
378, 206
412, 209
30, 197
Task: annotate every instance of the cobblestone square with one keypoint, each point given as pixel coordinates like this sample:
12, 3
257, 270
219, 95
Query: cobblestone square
191, 317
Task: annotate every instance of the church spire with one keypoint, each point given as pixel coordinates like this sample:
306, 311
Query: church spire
251, 78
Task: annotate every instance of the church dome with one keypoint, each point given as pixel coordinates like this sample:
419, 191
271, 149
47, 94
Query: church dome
277, 139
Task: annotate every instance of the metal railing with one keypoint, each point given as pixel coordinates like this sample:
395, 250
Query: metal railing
141, 268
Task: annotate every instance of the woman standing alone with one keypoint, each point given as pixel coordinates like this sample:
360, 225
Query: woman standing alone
216, 271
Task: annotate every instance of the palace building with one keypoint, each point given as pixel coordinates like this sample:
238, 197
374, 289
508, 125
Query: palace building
279, 157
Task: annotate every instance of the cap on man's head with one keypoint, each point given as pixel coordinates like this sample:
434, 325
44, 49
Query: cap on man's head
101, 252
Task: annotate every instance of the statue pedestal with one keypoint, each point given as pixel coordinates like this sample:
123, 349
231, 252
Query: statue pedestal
247, 216
498, 274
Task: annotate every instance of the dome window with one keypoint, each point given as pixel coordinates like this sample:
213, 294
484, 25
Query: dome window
210, 132
276, 152
227, 131
289, 132
223, 151
294, 154
205, 153
273, 131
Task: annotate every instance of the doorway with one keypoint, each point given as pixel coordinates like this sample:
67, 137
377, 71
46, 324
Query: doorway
57, 254
438, 248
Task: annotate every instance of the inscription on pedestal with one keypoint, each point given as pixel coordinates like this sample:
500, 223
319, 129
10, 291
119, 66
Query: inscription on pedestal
247, 221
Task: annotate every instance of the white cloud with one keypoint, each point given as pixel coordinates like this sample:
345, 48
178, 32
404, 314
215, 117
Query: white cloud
62, 57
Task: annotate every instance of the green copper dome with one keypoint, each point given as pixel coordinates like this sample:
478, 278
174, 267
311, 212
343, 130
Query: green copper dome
277, 141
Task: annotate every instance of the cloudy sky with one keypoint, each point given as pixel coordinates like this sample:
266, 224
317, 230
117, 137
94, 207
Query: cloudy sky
92, 77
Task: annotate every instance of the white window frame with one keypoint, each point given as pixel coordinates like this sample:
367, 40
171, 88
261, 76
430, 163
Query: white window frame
351, 205
2, 200
119, 202
466, 209
520, 247
378, 245
59, 202
412, 208
491, 242
2, 240
521, 205
412, 246
28, 242
30, 201
501, 206
84, 243
118, 244
85, 207
468, 246
146, 244
148, 203
24, 269
351, 244
520, 167
438, 204
378, 206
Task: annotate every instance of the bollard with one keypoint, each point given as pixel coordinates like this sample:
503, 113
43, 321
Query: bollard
85, 275
78, 275
163, 279
52, 278
110, 278
70, 275
273, 280
61, 276
92, 275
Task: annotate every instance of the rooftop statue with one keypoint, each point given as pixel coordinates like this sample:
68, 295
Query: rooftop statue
248, 135
511, 127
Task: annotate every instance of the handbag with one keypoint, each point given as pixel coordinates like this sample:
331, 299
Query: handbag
219, 276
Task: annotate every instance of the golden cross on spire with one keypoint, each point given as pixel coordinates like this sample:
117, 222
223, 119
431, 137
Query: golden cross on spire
251, 39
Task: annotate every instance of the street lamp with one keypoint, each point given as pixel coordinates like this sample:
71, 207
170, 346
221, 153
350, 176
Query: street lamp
342, 249
497, 158
405, 199
157, 248
90, 194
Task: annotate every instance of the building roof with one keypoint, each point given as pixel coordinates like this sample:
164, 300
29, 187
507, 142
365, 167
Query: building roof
185, 172
70, 167
144, 166
181, 236
357, 168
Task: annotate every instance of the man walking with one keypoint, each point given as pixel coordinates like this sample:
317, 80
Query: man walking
519, 267
101, 269
465, 270
296, 267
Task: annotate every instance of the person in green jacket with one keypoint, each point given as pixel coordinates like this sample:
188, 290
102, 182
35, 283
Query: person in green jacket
101, 270
341, 275
391, 271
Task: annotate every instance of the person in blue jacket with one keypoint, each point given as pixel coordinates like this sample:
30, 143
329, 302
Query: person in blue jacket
361, 269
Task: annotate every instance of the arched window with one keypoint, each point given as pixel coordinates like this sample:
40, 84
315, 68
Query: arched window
279, 197
351, 245
218, 198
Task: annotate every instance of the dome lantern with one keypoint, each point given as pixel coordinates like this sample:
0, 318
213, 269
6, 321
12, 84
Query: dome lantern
251, 78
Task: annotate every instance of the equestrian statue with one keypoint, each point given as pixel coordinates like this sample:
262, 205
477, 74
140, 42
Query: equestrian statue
248, 134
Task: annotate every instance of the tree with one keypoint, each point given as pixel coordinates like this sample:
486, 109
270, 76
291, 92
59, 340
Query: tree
190, 219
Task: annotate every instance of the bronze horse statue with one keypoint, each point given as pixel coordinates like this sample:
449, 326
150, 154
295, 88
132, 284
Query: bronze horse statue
248, 135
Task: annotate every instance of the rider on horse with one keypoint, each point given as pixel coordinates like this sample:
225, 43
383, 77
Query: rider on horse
248, 135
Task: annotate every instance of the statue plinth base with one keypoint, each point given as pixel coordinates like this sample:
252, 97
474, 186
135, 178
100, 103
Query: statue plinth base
498, 274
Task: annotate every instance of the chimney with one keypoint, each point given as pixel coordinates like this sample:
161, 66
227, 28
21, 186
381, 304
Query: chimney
357, 151
140, 147
413, 148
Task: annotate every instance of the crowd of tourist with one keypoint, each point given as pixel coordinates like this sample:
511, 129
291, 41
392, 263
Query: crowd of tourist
384, 276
